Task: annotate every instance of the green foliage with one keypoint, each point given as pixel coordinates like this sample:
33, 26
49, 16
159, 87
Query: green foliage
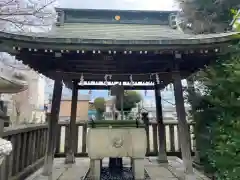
130, 99
100, 106
216, 111
236, 19
209, 16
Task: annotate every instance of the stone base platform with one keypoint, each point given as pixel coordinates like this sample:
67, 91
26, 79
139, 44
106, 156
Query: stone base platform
172, 171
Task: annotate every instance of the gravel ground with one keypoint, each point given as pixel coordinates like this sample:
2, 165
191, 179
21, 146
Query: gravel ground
125, 174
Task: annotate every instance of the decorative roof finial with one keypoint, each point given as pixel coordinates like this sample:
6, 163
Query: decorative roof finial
82, 80
156, 77
131, 80
106, 78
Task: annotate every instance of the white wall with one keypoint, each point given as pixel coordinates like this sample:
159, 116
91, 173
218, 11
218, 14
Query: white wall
32, 100
41, 94
108, 109
36, 92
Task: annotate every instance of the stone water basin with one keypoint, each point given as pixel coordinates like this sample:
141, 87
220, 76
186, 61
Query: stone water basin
117, 139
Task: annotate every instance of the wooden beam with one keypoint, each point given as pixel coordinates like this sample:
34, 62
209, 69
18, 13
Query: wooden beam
191, 89
162, 153
106, 70
52, 127
132, 67
106, 47
68, 76
2, 120
84, 66
96, 72
104, 87
182, 122
70, 157
147, 60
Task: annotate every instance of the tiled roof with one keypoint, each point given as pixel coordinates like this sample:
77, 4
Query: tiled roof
95, 33
124, 32
117, 31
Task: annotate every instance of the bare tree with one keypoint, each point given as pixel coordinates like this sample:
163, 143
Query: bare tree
26, 15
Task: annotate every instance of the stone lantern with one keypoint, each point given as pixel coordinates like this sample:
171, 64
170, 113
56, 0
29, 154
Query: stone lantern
5, 146
5, 149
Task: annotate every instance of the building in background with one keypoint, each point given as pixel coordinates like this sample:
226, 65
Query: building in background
82, 108
92, 110
148, 105
168, 110
27, 106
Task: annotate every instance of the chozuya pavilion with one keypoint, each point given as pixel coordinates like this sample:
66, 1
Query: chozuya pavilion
116, 46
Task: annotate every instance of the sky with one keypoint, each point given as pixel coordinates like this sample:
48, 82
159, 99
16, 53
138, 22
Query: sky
119, 4
123, 5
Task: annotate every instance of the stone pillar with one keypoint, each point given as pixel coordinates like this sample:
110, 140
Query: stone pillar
52, 128
182, 121
190, 84
138, 168
70, 159
95, 169
162, 155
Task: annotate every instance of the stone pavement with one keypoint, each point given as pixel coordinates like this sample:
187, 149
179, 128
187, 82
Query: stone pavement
171, 171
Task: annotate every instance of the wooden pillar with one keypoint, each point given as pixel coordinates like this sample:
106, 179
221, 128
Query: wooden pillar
52, 128
182, 121
70, 158
190, 84
145, 119
162, 155
1, 126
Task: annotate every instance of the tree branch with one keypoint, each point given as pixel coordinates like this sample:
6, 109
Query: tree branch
6, 4
36, 14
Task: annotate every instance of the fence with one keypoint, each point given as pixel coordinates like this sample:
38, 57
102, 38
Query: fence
172, 139
29, 144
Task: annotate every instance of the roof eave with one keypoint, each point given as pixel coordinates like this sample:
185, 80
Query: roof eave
76, 42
